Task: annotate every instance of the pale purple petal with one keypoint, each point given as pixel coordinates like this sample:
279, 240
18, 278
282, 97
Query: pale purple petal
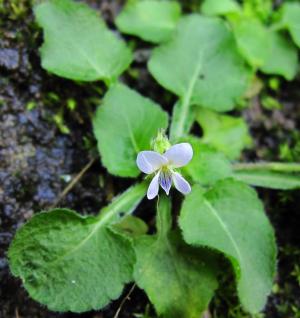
180, 183
153, 188
165, 180
150, 161
179, 155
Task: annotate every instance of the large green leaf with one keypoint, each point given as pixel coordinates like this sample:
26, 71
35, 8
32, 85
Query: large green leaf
272, 175
151, 20
226, 133
283, 59
217, 7
201, 65
230, 218
291, 20
77, 44
207, 165
125, 124
70, 262
178, 279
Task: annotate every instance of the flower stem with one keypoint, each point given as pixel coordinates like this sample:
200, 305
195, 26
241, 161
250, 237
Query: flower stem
274, 166
163, 216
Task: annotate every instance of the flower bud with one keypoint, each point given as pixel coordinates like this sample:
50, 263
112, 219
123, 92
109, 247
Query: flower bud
161, 143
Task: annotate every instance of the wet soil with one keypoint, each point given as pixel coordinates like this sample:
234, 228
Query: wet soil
45, 142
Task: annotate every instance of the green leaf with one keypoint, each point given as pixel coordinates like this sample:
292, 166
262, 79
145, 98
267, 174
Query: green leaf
253, 40
124, 125
77, 44
261, 9
207, 165
291, 20
70, 262
151, 20
178, 279
226, 133
230, 218
201, 65
282, 176
217, 7
284, 57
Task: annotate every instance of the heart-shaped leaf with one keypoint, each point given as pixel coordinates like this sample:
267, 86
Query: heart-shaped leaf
75, 263
124, 125
201, 64
230, 218
77, 44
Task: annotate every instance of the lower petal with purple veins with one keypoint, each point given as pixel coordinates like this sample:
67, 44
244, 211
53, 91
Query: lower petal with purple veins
165, 180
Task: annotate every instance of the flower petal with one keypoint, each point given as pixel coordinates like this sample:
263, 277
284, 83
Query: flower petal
150, 161
180, 183
165, 180
153, 187
179, 155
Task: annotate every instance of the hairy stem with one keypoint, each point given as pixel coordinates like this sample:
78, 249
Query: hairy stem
124, 203
163, 216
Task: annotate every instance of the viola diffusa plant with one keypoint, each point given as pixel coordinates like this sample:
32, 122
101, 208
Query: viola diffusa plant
71, 262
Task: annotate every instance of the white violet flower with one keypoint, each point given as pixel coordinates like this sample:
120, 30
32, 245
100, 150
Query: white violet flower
163, 166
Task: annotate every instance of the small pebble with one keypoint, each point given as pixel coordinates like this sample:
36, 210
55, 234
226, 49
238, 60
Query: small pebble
9, 59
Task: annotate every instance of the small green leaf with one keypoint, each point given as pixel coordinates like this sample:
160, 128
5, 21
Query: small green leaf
201, 65
253, 40
291, 20
77, 44
131, 226
282, 176
70, 262
124, 125
283, 59
230, 218
178, 279
226, 133
217, 7
207, 165
151, 20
